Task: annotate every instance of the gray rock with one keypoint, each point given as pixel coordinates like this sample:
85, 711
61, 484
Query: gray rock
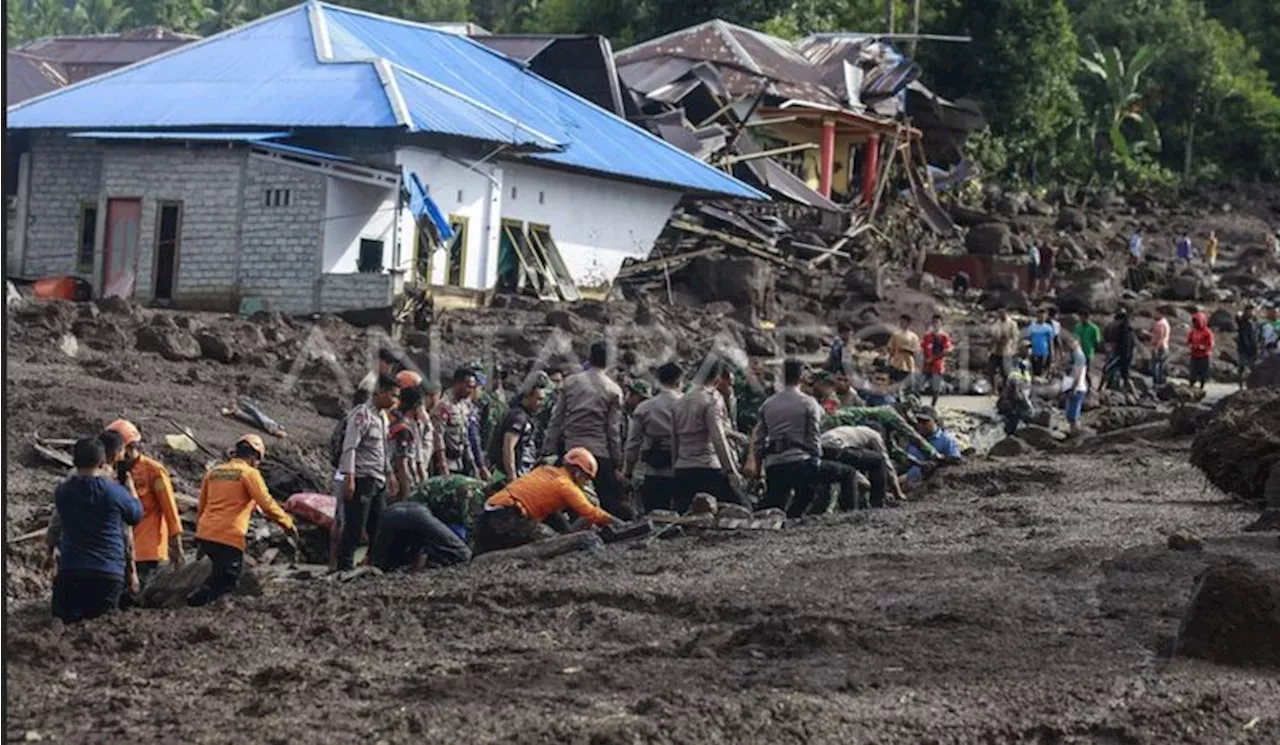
216, 347
1094, 289
1071, 219
1222, 320
170, 343
991, 239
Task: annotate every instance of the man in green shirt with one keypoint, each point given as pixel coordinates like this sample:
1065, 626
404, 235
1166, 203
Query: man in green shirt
1090, 337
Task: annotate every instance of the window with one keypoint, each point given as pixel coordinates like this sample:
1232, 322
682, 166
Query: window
455, 263
370, 260
88, 237
278, 197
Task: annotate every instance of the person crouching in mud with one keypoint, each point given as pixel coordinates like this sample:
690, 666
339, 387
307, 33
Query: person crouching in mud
514, 516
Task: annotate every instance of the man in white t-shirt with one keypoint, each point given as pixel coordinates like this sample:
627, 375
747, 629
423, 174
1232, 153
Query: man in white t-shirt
1079, 385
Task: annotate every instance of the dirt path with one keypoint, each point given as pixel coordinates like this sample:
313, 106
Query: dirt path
1035, 611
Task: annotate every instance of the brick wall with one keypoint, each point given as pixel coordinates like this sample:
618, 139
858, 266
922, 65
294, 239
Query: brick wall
65, 173
339, 292
282, 246
207, 182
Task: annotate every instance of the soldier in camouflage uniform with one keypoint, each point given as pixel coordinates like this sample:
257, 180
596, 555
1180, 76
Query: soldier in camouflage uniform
896, 430
543, 420
456, 500
749, 390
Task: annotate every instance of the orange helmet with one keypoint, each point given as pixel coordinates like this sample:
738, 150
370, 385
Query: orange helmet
255, 442
583, 459
127, 430
408, 379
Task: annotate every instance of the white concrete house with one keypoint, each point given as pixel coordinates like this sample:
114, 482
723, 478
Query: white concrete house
286, 161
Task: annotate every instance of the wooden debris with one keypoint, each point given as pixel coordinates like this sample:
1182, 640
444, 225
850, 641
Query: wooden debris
548, 549
54, 456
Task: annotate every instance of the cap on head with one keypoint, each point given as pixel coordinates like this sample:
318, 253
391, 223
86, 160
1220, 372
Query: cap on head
583, 460
254, 441
927, 414
408, 379
641, 388
127, 430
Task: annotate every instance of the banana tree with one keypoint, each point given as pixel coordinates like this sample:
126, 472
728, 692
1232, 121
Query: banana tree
1122, 100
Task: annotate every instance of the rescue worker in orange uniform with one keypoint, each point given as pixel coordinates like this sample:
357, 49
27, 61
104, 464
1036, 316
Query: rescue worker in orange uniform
514, 516
228, 496
158, 538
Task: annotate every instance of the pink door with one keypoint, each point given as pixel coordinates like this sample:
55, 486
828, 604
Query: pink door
120, 257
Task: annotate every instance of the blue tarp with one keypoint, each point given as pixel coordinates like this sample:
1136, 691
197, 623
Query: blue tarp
269, 73
422, 205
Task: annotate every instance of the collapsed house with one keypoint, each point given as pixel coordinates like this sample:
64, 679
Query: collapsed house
321, 158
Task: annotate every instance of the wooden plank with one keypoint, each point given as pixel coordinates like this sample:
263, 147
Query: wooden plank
732, 240
541, 236
853, 232
645, 266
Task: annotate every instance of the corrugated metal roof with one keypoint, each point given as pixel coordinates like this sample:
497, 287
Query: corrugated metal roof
742, 54
27, 77
106, 49
522, 48
184, 136
286, 70
886, 71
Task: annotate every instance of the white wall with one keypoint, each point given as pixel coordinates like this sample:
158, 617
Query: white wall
458, 191
353, 211
596, 222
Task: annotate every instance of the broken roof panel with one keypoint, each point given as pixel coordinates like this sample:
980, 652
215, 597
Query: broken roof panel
107, 49
743, 56
319, 65
27, 77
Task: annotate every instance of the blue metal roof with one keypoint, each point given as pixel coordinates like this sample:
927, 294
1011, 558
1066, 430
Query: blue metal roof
184, 136
319, 65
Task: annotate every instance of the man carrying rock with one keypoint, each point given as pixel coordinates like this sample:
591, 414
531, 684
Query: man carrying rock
788, 437
704, 461
649, 441
410, 536
514, 516
92, 557
364, 468
229, 494
588, 415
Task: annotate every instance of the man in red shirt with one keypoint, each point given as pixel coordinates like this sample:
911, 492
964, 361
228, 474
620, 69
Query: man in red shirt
935, 346
1200, 342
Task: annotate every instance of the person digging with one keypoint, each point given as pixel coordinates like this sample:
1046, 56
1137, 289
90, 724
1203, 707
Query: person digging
229, 494
515, 515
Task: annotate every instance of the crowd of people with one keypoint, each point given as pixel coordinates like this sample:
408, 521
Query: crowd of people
431, 477
428, 476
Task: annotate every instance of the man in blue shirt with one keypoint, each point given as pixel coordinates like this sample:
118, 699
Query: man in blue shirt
942, 441
94, 551
1041, 333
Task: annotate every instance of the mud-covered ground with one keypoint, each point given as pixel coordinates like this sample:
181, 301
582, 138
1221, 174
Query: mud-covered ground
1043, 613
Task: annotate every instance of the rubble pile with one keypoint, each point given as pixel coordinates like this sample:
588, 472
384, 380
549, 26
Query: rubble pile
1239, 446
1234, 616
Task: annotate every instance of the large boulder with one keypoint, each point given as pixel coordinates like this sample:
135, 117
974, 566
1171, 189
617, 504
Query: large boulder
866, 282
1234, 616
1185, 287
1071, 219
215, 346
968, 218
742, 281
170, 343
1236, 449
991, 239
1222, 320
1095, 289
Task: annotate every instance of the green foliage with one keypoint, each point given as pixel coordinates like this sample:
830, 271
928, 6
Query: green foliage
1121, 101
1019, 67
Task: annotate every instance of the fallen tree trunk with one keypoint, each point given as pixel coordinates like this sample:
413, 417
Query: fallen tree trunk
548, 549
